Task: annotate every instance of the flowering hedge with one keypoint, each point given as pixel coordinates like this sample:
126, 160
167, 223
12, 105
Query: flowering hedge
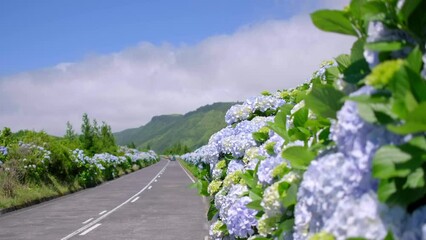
341, 156
31, 161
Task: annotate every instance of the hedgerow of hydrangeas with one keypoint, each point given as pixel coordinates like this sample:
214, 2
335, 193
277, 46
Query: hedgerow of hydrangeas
355, 132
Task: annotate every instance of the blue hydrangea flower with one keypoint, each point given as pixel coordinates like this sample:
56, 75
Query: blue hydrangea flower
415, 227
252, 105
328, 179
241, 219
358, 139
224, 203
379, 32
264, 173
365, 217
3, 150
235, 165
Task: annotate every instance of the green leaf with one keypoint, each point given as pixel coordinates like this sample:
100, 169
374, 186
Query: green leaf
212, 212
343, 62
254, 196
284, 228
416, 21
414, 60
260, 137
300, 117
333, 21
324, 100
355, 8
357, 50
385, 46
255, 205
386, 189
389, 236
290, 198
366, 112
356, 71
408, 8
415, 121
374, 10
332, 74
299, 157
385, 159
417, 84
416, 179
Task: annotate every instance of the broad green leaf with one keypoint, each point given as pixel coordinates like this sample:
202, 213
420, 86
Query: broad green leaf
389, 236
366, 112
324, 100
374, 10
415, 121
300, 117
356, 71
343, 62
333, 21
407, 8
386, 189
254, 196
332, 74
357, 50
417, 84
299, 157
284, 228
414, 60
416, 20
212, 212
260, 137
385, 46
255, 205
290, 197
355, 8
384, 162
416, 179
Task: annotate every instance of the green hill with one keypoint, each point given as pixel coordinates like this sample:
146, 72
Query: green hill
192, 129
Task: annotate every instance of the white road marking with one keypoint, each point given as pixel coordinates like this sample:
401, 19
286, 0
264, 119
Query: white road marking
90, 229
206, 237
155, 180
187, 174
149, 187
134, 200
111, 211
88, 220
104, 211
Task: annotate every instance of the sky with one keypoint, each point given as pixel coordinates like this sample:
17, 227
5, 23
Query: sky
126, 61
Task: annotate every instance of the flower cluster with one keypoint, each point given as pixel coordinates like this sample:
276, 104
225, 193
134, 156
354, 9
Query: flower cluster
258, 105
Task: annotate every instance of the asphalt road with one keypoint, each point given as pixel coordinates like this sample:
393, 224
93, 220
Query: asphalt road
153, 203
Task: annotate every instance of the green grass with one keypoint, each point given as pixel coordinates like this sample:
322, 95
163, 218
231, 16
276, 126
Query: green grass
28, 194
189, 167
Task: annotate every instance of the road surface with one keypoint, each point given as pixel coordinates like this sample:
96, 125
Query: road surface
153, 203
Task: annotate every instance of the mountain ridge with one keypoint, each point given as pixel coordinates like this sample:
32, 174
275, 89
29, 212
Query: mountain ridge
192, 129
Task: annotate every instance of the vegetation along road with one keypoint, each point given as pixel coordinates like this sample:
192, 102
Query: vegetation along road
152, 203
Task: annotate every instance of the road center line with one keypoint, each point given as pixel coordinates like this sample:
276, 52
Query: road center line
113, 210
134, 200
90, 229
88, 220
102, 212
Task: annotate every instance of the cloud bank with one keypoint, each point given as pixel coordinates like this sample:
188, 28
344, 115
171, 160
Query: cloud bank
126, 89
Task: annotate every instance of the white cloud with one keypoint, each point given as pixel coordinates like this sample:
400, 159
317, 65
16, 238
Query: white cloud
127, 88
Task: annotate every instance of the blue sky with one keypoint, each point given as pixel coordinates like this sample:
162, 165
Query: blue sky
125, 61
39, 34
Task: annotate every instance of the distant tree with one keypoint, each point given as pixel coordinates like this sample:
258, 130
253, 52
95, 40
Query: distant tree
87, 133
70, 133
132, 145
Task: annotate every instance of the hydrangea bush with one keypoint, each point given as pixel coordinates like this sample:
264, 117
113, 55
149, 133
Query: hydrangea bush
341, 156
